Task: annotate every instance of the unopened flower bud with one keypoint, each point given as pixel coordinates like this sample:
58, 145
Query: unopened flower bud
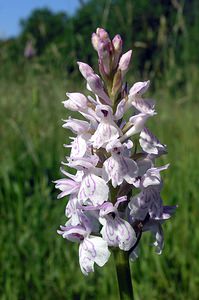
85, 69
124, 62
102, 44
103, 34
96, 86
104, 52
95, 41
117, 47
117, 43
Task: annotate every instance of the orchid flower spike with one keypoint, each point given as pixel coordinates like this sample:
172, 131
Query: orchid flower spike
111, 156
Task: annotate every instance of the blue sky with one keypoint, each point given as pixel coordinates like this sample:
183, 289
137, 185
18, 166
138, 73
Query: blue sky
11, 11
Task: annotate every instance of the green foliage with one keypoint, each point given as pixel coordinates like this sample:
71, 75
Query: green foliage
35, 262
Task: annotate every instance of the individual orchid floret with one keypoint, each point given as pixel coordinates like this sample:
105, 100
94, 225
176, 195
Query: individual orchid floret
76, 126
72, 211
80, 145
75, 102
145, 106
118, 167
92, 249
150, 144
79, 103
144, 163
107, 129
137, 124
68, 186
155, 226
116, 231
94, 82
148, 174
93, 188
135, 92
96, 86
152, 176
148, 201
139, 88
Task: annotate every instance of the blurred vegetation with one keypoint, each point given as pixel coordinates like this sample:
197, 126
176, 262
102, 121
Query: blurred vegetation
37, 264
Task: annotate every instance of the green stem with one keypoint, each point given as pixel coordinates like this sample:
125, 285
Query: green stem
123, 275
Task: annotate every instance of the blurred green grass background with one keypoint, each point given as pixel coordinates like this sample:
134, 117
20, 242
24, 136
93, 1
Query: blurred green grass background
35, 262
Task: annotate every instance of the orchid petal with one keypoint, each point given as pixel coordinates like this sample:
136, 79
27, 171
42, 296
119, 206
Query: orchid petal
118, 232
138, 122
139, 88
144, 106
73, 233
147, 201
152, 176
156, 229
94, 188
120, 110
76, 126
104, 133
150, 143
79, 147
78, 99
67, 186
92, 250
119, 168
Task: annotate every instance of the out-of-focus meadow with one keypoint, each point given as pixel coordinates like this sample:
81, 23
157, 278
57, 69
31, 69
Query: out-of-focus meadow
35, 262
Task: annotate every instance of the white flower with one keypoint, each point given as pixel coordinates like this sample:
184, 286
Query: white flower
150, 143
93, 250
107, 129
118, 167
93, 188
116, 231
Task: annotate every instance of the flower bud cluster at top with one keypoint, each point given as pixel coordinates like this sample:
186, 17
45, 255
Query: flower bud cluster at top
111, 157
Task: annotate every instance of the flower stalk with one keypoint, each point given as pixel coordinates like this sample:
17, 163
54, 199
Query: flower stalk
123, 275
